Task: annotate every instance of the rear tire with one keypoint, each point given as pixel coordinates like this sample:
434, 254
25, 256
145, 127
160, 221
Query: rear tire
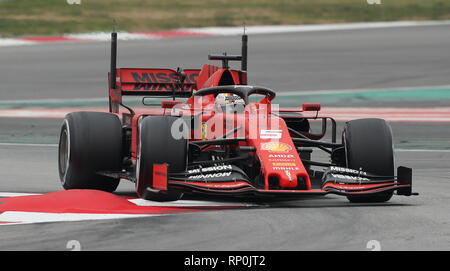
158, 146
90, 142
368, 146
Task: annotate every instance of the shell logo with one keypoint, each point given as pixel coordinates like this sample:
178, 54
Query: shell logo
276, 147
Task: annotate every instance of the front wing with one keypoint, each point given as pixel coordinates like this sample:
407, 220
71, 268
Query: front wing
232, 181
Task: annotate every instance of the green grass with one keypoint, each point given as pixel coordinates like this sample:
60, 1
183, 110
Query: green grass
52, 17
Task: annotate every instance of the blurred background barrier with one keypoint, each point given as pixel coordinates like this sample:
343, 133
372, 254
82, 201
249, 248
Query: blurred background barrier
55, 17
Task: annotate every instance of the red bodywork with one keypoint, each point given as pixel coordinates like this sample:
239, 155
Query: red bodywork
273, 144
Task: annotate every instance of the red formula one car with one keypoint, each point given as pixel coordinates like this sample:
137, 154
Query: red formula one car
225, 138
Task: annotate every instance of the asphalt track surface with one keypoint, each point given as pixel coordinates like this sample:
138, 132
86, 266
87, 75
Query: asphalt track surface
377, 58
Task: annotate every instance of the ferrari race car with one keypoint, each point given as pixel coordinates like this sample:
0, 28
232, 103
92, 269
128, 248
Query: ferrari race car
215, 134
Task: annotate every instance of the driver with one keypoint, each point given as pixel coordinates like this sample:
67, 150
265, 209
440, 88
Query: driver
228, 102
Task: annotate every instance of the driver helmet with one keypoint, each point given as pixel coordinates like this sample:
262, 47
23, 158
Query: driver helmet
225, 99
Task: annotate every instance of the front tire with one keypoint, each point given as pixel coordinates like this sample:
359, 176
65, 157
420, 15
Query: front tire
368, 146
90, 142
158, 146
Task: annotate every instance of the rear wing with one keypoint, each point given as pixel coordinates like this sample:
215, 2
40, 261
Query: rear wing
150, 82
147, 82
166, 82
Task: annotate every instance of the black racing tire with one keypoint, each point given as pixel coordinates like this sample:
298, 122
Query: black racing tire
368, 146
158, 146
90, 142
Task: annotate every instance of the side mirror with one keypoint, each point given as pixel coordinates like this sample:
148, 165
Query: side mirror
311, 107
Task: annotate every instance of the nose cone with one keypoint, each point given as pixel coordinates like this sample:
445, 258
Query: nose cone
280, 162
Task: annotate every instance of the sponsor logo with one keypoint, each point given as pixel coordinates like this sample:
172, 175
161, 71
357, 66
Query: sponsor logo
348, 177
160, 77
281, 156
278, 164
233, 185
209, 169
347, 170
270, 134
211, 175
285, 168
159, 80
344, 187
204, 130
276, 147
281, 160
232, 98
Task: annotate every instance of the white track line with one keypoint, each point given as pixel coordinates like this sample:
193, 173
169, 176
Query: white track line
15, 217
224, 31
29, 145
103, 36
188, 203
15, 42
12, 194
419, 150
273, 29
